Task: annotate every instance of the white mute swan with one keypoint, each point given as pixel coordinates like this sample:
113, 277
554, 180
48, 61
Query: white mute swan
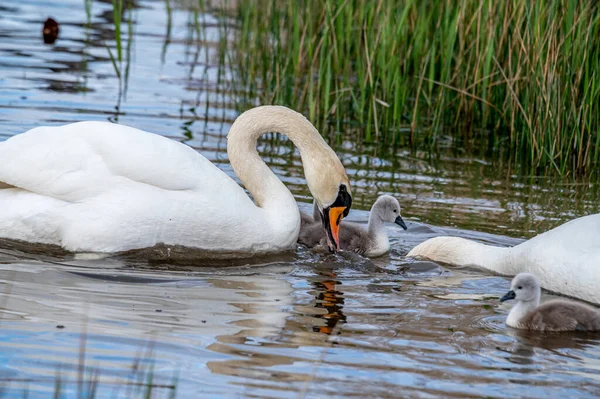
371, 241
566, 258
556, 315
103, 187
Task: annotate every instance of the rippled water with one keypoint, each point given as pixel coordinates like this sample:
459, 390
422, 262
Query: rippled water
302, 324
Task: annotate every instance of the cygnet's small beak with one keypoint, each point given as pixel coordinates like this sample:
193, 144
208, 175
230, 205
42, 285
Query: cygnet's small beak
400, 222
508, 296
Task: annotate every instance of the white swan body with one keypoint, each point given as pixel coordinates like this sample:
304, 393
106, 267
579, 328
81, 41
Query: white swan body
102, 187
566, 258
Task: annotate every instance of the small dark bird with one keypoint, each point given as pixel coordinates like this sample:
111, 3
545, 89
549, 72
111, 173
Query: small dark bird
556, 315
50, 31
370, 241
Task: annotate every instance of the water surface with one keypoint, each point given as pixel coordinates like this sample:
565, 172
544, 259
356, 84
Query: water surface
302, 324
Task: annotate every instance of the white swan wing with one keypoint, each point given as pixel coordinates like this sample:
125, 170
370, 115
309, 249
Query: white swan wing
79, 160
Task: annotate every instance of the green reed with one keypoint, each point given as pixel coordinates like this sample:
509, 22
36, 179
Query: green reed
120, 64
90, 384
522, 75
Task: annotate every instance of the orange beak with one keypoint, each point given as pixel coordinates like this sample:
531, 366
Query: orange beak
332, 226
333, 215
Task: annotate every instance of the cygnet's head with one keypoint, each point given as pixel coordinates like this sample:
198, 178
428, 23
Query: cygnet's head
387, 209
525, 287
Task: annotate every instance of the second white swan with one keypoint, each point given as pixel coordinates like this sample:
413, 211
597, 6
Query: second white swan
566, 258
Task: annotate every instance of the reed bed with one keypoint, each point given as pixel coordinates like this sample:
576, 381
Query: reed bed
522, 75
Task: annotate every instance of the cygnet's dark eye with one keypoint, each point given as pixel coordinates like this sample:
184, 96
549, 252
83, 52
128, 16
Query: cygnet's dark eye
519, 287
395, 210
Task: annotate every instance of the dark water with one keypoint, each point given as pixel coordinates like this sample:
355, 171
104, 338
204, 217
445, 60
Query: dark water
301, 324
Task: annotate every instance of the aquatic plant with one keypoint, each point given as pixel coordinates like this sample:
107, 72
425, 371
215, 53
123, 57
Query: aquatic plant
87, 382
120, 64
523, 76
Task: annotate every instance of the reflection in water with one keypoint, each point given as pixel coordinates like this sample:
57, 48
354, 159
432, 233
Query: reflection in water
120, 314
250, 362
562, 344
328, 298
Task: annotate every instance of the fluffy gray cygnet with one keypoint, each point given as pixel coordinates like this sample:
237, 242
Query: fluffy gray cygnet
370, 241
556, 315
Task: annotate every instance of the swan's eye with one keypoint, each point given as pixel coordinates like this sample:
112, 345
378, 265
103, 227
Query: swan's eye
519, 287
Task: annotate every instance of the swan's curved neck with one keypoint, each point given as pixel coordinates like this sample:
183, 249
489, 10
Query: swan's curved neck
497, 259
462, 252
267, 190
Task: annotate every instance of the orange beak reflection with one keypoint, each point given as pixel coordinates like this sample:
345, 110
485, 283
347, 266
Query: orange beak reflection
332, 225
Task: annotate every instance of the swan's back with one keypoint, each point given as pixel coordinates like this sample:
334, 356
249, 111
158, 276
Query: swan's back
65, 162
566, 258
559, 315
578, 236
